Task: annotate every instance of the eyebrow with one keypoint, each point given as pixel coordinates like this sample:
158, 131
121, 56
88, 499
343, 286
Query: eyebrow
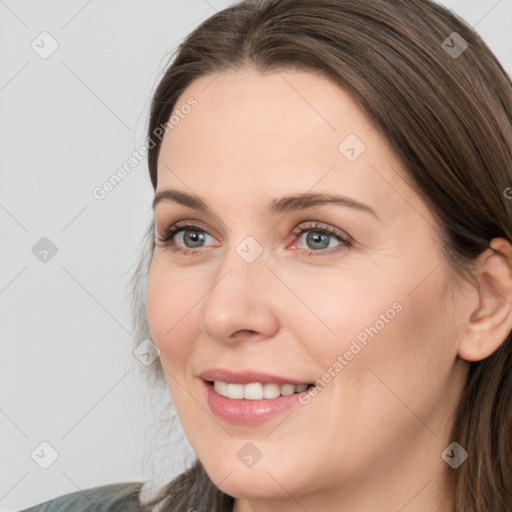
281, 205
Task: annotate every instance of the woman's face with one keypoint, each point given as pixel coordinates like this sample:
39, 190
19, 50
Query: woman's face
365, 310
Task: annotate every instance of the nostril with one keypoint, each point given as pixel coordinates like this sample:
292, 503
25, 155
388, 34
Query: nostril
243, 333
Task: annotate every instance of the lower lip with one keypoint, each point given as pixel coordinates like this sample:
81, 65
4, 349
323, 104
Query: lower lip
247, 412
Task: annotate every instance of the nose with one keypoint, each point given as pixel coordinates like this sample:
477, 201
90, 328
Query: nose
242, 302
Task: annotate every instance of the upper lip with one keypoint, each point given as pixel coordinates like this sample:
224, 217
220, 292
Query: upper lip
247, 377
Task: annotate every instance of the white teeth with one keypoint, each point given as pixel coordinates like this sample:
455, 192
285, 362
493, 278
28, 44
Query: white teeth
256, 390
253, 391
235, 391
221, 388
271, 390
287, 389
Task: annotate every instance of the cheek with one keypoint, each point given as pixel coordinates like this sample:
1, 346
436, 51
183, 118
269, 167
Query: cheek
345, 312
381, 330
170, 313
407, 365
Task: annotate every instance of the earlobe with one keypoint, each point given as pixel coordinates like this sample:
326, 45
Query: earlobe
491, 322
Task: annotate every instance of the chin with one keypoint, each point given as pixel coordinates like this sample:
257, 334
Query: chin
253, 486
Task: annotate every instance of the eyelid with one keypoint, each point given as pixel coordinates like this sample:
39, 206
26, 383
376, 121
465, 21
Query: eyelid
167, 238
343, 236
182, 225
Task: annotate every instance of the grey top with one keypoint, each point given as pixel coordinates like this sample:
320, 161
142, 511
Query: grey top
120, 497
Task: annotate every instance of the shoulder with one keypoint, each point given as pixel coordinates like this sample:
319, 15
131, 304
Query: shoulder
120, 497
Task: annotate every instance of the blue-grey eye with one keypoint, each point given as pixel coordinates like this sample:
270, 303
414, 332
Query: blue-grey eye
191, 238
318, 240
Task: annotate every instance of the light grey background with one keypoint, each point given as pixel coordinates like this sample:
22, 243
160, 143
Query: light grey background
67, 123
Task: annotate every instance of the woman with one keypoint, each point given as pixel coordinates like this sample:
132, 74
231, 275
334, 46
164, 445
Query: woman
330, 268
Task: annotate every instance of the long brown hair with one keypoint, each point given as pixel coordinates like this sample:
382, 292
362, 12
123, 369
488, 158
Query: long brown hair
446, 113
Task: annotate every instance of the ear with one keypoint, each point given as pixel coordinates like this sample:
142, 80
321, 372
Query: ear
491, 322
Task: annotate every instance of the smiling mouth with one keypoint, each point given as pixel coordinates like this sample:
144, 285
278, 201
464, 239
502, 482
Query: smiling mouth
256, 390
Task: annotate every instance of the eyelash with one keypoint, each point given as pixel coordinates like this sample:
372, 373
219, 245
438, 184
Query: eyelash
170, 232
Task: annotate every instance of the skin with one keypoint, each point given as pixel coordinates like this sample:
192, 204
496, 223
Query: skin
372, 438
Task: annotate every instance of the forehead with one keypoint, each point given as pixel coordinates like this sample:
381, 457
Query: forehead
288, 107
288, 119
281, 132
